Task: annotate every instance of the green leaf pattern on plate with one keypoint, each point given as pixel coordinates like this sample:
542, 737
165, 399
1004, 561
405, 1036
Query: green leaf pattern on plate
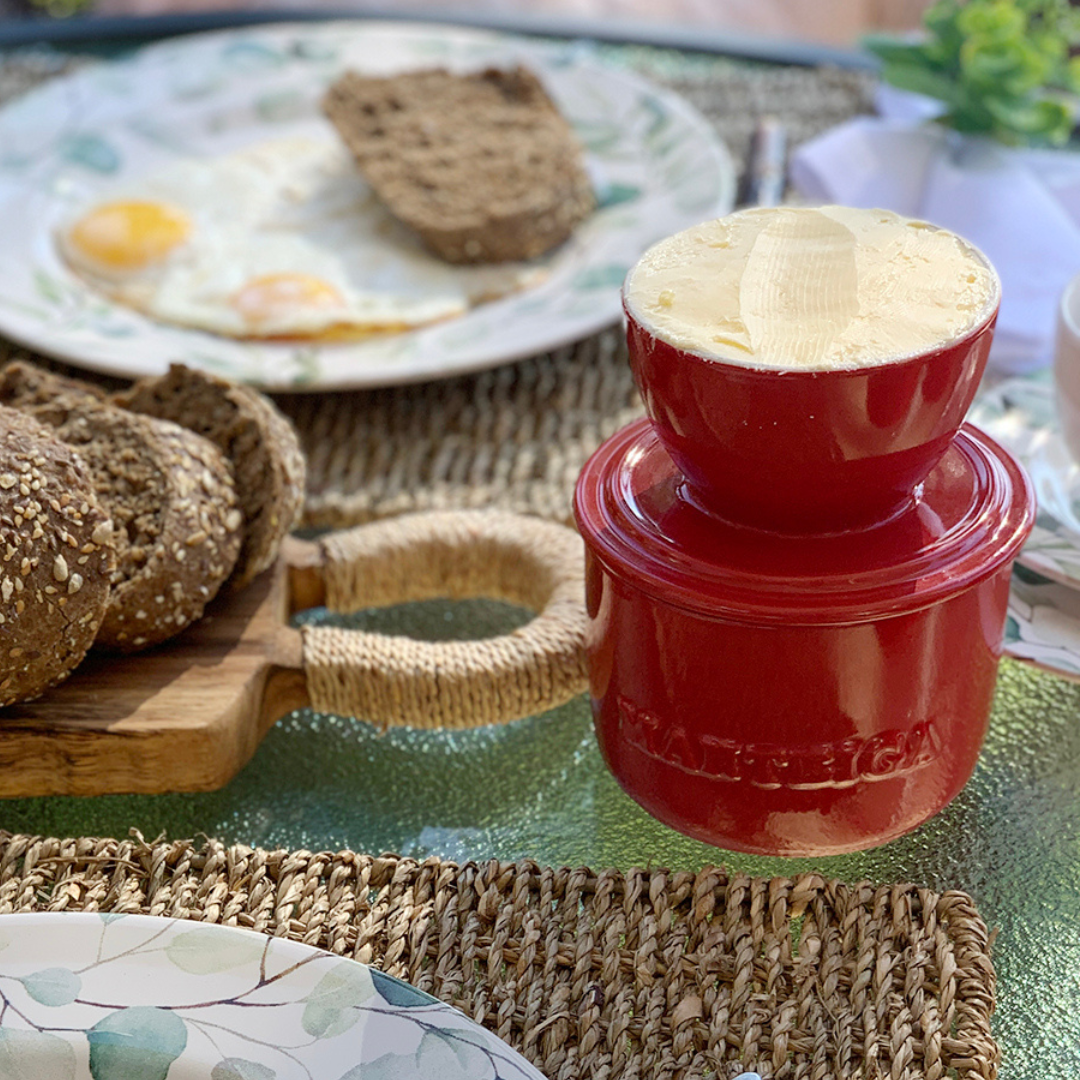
331, 1007
53, 986
200, 989
438, 1055
209, 949
92, 152
34, 1055
140, 1041
241, 1069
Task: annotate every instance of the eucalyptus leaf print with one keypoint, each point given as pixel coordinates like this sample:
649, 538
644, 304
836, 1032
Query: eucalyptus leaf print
281, 106
54, 987
208, 950
616, 194
332, 1006
401, 994
241, 1069
92, 152
251, 54
35, 1055
48, 287
440, 1056
601, 277
137, 1043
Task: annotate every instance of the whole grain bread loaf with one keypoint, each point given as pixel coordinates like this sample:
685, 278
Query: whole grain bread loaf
56, 559
172, 500
261, 444
23, 384
483, 165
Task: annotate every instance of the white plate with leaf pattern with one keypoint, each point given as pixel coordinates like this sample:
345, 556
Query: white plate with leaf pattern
656, 164
1020, 414
1043, 624
114, 997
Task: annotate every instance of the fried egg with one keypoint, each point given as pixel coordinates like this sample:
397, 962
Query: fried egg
283, 239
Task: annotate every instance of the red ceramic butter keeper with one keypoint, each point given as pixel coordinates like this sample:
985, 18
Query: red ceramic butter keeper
795, 695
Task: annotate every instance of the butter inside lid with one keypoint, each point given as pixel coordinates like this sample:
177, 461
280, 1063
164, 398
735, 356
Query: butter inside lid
811, 288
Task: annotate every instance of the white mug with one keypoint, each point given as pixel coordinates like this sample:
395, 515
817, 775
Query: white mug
1067, 366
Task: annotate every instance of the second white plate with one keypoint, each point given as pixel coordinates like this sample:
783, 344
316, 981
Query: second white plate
1020, 414
117, 997
656, 163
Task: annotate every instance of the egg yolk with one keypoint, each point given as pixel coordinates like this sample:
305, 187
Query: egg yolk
129, 236
263, 298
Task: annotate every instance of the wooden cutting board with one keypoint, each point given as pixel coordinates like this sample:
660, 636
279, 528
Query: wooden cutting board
183, 717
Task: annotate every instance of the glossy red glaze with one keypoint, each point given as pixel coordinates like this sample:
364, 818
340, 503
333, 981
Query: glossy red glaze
805, 451
795, 696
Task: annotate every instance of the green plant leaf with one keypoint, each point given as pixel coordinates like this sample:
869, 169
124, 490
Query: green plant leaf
34, 1055
210, 949
997, 21
139, 1043
1052, 120
891, 50
998, 65
921, 80
398, 993
53, 986
241, 1069
331, 1007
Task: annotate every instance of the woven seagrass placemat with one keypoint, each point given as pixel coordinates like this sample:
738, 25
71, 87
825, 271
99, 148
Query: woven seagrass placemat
607, 975
514, 437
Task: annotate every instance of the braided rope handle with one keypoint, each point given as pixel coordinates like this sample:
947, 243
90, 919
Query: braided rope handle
455, 684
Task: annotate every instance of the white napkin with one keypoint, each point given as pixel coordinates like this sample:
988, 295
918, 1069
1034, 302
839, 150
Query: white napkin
1020, 207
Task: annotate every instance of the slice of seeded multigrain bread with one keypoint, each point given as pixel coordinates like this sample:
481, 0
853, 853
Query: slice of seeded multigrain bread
261, 444
56, 559
483, 166
172, 501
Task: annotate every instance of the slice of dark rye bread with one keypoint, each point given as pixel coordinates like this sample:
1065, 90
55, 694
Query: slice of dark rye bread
262, 445
172, 501
482, 166
56, 559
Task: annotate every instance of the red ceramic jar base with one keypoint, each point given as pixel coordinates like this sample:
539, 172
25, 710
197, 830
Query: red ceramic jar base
789, 740
795, 696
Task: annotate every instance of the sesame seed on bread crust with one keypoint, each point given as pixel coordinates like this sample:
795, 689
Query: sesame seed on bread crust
482, 166
56, 559
260, 443
171, 496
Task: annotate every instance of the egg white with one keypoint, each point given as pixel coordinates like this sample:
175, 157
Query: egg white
293, 207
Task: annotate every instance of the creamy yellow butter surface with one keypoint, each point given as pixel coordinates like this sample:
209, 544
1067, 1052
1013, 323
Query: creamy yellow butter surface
813, 288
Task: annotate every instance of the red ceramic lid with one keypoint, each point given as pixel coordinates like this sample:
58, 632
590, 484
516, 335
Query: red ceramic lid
968, 519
